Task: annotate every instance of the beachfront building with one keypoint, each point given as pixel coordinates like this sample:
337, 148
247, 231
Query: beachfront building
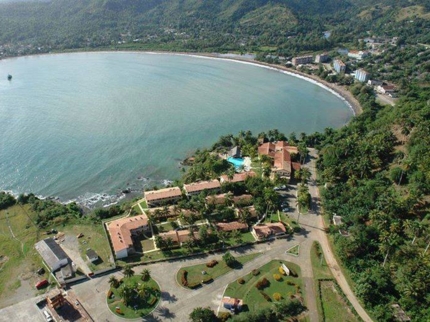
339, 66
361, 75
196, 188
237, 177
52, 254
301, 60
280, 152
358, 54
235, 152
123, 230
321, 58
269, 230
162, 196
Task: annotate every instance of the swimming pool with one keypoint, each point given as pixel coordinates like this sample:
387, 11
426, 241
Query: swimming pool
237, 162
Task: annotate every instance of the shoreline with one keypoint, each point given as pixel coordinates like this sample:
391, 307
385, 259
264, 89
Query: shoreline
336, 90
93, 199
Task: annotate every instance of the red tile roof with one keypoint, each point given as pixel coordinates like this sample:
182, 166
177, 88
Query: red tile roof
120, 230
230, 226
161, 194
238, 177
202, 185
266, 230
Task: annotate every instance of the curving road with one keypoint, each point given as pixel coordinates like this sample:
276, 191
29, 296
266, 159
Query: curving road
325, 245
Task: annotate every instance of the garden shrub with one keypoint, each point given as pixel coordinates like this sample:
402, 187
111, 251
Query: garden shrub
281, 270
277, 277
212, 263
207, 279
153, 301
277, 296
109, 294
241, 281
291, 283
255, 272
184, 280
266, 297
224, 316
263, 283
194, 285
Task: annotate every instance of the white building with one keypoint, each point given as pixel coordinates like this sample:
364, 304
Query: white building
52, 254
361, 75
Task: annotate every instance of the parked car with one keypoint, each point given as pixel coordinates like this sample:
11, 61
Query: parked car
41, 284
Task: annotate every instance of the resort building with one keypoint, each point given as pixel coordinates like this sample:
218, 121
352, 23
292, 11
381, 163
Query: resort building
280, 152
361, 75
358, 54
178, 237
52, 254
269, 230
196, 188
237, 177
231, 226
235, 152
220, 199
321, 58
122, 231
162, 196
302, 60
231, 303
339, 66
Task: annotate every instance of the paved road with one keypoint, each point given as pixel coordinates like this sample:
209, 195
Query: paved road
325, 245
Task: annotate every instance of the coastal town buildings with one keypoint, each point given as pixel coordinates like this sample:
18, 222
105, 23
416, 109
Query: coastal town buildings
196, 188
361, 75
321, 58
162, 196
122, 231
385, 89
358, 54
339, 66
301, 60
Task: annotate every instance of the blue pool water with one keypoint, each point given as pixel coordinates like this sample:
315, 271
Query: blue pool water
237, 162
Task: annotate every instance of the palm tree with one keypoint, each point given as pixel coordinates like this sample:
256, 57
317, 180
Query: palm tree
113, 281
127, 271
142, 291
126, 293
146, 274
236, 234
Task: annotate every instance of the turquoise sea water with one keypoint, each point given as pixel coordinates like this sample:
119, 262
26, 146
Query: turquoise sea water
76, 125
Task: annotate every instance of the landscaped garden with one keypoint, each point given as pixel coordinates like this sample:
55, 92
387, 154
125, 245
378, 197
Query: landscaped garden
193, 276
267, 285
133, 296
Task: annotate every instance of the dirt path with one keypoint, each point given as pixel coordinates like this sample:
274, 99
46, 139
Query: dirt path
325, 245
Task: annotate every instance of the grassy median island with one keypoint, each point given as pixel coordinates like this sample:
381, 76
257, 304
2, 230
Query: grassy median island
194, 276
133, 297
266, 285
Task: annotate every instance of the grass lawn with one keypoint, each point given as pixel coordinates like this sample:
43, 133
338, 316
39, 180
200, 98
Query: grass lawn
143, 204
294, 250
136, 209
253, 299
164, 227
94, 238
147, 244
195, 272
334, 306
137, 306
319, 265
18, 258
246, 238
